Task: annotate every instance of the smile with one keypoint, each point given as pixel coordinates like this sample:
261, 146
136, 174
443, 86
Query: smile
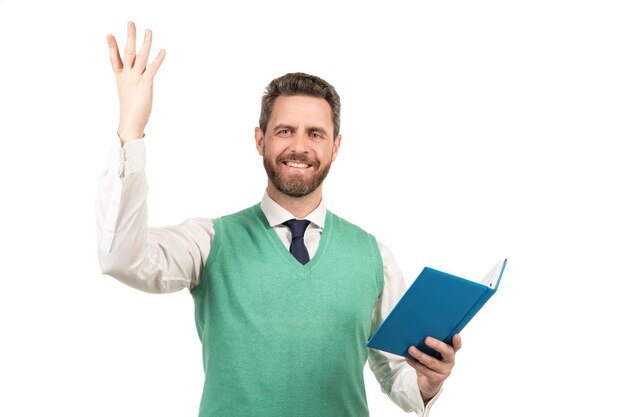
294, 164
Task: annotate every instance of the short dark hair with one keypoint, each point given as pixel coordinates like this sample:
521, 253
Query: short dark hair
300, 84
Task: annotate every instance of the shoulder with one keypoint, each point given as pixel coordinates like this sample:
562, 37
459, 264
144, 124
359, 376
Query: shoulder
385, 252
338, 221
351, 231
240, 217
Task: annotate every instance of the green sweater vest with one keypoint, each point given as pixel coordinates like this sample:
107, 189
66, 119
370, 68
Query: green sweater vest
280, 338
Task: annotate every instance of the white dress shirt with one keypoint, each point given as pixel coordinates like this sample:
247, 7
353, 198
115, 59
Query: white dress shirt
168, 259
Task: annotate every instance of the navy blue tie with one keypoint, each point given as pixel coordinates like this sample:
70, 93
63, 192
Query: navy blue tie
297, 248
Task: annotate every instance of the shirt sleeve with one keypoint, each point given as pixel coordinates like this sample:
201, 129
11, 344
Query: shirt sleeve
151, 259
396, 378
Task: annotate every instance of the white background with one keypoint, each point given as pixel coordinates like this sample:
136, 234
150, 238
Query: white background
472, 131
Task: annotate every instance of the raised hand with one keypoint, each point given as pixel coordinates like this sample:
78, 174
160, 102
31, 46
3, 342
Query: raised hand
134, 82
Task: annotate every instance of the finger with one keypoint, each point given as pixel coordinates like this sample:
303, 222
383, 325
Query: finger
456, 342
154, 67
446, 351
129, 50
142, 57
427, 360
114, 54
421, 370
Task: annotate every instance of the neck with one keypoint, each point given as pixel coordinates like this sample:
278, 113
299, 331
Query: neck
300, 207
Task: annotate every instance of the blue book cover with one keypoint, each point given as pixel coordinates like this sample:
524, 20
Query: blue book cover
437, 304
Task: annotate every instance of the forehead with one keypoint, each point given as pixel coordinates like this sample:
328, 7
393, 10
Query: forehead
301, 110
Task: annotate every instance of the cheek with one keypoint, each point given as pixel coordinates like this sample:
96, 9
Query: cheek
272, 151
328, 154
333, 153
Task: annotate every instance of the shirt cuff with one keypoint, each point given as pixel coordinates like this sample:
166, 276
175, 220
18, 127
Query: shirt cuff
431, 402
129, 158
413, 395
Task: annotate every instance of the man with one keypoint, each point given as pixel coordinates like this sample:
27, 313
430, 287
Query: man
286, 293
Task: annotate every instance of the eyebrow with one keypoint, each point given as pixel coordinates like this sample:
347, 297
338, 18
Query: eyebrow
283, 126
317, 129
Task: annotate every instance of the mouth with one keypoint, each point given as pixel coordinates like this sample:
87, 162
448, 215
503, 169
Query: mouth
297, 164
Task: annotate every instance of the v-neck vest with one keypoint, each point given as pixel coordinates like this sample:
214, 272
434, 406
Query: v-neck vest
280, 338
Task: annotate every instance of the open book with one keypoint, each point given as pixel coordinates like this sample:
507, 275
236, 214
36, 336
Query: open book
437, 304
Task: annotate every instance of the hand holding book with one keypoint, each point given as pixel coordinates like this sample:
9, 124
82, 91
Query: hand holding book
432, 372
438, 305
424, 325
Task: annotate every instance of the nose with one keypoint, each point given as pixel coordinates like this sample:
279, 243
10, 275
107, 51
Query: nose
300, 143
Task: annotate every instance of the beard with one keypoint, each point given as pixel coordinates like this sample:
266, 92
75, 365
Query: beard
295, 185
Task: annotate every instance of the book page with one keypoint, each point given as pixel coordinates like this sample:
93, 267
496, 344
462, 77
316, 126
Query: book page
491, 279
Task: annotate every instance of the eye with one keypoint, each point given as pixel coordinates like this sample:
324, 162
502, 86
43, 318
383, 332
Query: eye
284, 132
316, 135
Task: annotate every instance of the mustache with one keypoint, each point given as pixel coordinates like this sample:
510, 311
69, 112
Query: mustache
298, 157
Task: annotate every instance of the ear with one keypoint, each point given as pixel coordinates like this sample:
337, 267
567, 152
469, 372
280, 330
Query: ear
259, 139
336, 144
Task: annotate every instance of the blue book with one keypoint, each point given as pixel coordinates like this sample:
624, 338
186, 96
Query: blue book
437, 304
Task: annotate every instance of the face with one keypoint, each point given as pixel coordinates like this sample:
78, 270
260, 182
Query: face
298, 147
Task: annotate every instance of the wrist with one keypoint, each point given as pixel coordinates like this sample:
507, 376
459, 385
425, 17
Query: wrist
428, 395
129, 135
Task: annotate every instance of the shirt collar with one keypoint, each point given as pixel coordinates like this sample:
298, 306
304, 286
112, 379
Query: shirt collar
276, 215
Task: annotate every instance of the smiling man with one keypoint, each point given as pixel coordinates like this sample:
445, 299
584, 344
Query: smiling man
286, 293
298, 139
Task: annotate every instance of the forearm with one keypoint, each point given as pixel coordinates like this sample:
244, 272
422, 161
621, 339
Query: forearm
156, 260
397, 379
121, 215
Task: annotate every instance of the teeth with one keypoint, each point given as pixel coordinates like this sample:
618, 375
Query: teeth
297, 165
